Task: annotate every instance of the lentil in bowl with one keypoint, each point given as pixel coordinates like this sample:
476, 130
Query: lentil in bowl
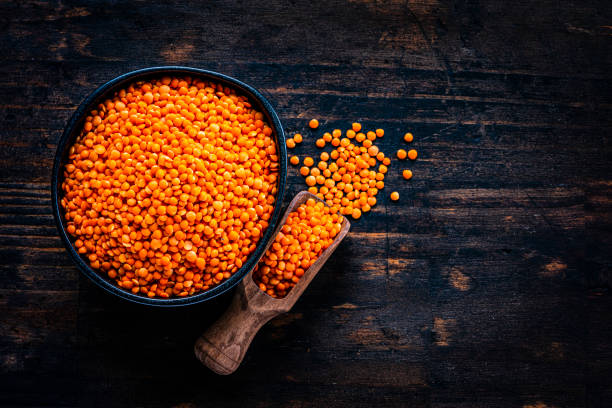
168, 189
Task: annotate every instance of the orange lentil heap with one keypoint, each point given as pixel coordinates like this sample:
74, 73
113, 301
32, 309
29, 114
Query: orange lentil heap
170, 186
307, 232
351, 175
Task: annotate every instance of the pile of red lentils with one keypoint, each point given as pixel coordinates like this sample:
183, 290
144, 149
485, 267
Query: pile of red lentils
170, 186
307, 232
350, 176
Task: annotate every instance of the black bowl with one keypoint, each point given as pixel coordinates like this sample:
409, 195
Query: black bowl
72, 131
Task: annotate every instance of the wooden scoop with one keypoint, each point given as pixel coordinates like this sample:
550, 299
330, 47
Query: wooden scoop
224, 344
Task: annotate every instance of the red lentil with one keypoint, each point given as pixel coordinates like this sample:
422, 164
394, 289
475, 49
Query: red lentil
307, 232
170, 186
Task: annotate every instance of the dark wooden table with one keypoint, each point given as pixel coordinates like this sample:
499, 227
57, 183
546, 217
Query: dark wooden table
486, 285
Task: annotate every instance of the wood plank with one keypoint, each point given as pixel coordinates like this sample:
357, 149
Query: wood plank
487, 284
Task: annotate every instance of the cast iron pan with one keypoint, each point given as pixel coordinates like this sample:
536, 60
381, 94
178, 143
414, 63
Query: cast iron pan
72, 131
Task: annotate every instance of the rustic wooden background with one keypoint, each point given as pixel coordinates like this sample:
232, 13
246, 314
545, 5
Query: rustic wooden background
486, 285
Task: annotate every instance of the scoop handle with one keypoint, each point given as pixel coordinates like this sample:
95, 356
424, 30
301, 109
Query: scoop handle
224, 344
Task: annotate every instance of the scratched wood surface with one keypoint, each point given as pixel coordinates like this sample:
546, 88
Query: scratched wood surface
487, 284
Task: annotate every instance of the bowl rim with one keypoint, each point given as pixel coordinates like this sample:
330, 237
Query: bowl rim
72, 130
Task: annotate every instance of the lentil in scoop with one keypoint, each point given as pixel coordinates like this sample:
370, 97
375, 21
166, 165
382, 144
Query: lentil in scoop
307, 232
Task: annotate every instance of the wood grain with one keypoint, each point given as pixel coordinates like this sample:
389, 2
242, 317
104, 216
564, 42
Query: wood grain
487, 284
